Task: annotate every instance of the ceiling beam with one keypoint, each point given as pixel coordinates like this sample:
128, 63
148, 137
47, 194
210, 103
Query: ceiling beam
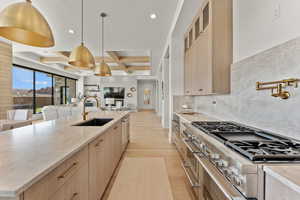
65, 54
114, 55
133, 68
126, 59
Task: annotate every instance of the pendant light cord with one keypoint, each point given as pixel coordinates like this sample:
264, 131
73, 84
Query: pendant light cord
82, 22
102, 37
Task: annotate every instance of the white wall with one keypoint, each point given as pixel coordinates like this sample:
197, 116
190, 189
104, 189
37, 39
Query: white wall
262, 24
115, 81
142, 85
258, 108
166, 94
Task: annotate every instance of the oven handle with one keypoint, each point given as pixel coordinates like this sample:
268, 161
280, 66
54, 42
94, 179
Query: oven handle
189, 146
229, 191
186, 168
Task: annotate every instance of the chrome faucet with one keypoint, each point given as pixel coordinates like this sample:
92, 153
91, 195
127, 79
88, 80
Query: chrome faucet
84, 113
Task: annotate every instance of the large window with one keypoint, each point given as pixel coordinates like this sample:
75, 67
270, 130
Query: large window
59, 90
23, 88
43, 90
34, 89
71, 90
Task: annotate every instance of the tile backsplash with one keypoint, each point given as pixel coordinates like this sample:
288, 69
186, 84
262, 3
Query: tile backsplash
258, 108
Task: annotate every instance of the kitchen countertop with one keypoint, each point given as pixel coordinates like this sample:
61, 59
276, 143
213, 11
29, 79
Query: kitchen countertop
196, 117
29, 153
288, 175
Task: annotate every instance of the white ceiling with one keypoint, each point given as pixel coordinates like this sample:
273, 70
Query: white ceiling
128, 25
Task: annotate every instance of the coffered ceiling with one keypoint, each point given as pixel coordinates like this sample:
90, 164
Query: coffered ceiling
133, 41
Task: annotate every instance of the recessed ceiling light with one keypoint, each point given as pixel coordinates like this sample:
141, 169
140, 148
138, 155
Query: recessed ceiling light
71, 31
153, 16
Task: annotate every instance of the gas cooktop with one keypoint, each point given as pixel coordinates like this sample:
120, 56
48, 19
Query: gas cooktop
254, 144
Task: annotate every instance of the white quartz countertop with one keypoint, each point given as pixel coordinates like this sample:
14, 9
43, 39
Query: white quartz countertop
29, 153
189, 118
288, 175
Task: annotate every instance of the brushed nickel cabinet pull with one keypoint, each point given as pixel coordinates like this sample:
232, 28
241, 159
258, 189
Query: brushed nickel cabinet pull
65, 174
74, 196
98, 144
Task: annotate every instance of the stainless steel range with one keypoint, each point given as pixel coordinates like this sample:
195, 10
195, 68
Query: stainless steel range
231, 157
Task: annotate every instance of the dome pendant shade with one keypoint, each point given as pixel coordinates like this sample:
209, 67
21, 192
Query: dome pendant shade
23, 23
82, 58
102, 70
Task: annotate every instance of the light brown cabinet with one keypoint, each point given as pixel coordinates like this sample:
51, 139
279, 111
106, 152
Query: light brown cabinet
104, 155
86, 174
208, 49
69, 180
276, 190
97, 169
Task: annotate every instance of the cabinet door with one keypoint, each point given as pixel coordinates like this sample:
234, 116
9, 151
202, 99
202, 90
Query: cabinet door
118, 143
109, 155
187, 73
76, 188
97, 180
202, 76
276, 190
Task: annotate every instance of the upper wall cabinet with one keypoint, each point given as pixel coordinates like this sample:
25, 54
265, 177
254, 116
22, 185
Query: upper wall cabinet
208, 49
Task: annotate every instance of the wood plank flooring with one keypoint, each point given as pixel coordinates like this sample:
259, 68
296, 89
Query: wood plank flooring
138, 178
149, 140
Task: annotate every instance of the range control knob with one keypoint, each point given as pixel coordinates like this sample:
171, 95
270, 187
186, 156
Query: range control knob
215, 156
238, 181
222, 164
203, 146
228, 172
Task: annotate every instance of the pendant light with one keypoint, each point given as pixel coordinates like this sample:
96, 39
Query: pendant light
81, 57
23, 23
103, 69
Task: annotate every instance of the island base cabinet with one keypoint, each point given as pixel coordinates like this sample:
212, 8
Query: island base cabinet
97, 169
85, 175
76, 188
67, 181
104, 155
276, 190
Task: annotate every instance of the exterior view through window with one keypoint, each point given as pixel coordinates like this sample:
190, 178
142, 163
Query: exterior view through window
35, 89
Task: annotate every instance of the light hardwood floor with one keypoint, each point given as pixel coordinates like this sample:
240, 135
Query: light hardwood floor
149, 140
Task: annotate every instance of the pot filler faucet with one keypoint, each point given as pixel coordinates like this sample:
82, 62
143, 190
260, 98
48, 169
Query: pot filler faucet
84, 113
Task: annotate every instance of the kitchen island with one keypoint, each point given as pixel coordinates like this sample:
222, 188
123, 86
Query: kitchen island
54, 159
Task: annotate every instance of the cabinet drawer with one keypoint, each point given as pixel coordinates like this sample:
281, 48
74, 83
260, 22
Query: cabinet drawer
61, 174
52, 182
75, 188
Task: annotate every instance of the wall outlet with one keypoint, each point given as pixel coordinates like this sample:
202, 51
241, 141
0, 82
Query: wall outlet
277, 12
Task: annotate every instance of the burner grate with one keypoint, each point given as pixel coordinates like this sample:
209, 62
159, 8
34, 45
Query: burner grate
267, 150
256, 145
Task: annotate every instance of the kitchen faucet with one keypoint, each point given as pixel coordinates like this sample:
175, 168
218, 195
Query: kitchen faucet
84, 113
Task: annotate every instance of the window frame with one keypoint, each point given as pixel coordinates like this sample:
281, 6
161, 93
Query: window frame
52, 81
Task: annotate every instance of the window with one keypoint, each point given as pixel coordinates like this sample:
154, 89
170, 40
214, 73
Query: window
59, 84
71, 90
22, 88
43, 90
206, 16
190, 38
197, 28
34, 89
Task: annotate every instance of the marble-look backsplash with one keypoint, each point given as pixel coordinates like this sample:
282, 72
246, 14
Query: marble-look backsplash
259, 108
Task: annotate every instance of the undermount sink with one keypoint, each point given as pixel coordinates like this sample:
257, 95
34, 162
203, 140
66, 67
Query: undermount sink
95, 122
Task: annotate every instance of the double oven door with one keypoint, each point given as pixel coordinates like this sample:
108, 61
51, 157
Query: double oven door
206, 181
